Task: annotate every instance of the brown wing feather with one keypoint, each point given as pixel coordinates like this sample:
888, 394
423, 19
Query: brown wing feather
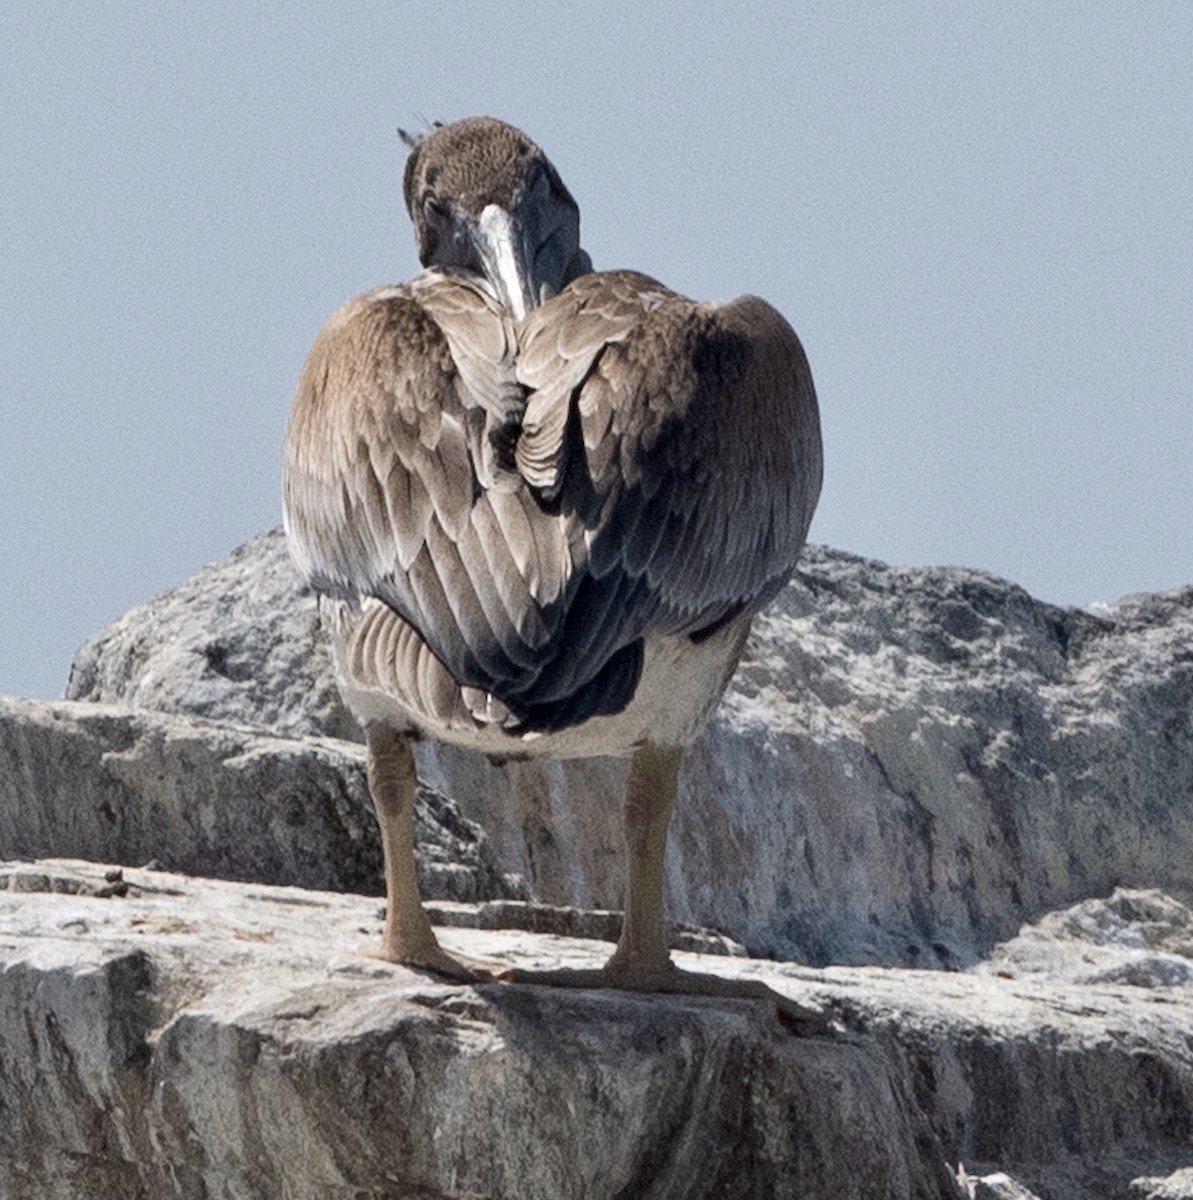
700, 444
393, 477
661, 478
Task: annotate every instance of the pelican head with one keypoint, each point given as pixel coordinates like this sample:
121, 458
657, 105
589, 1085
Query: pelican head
486, 201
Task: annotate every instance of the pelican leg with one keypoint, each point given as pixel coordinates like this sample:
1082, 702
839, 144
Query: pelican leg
408, 937
642, 961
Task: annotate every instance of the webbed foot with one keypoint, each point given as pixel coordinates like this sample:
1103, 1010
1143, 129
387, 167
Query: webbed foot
434, 960
666, 977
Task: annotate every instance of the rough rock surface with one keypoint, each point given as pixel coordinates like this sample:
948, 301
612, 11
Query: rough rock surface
121, 785
200, 1039
192, 1038
1177, 1186
236, 642
1143, 938
908, 764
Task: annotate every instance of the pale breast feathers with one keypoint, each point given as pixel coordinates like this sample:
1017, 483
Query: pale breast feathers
534, 501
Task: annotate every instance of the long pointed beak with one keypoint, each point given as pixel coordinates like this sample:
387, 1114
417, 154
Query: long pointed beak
501, 243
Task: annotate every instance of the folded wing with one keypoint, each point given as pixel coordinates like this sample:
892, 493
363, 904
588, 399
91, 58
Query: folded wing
683, 436
533, 503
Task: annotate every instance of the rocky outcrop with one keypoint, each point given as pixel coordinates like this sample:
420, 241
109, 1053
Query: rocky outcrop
170, 1036
908, 765
237, 642
200, 1039
121, 785
1143, 938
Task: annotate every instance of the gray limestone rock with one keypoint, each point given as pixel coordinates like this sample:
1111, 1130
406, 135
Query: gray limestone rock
1177, 1186
1143, 938
1071, 1090
129, 786
919, 760
195, 1039
999, 1186
191, 1038
236, 642
908, 765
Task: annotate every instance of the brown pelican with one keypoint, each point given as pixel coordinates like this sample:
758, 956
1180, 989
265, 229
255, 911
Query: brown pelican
546, 503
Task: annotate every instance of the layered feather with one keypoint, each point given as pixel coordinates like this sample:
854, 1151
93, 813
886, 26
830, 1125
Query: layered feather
531, 503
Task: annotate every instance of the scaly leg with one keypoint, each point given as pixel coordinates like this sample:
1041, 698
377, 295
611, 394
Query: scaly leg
642, 962
408, 937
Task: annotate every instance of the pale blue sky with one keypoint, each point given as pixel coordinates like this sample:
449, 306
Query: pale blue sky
979, 217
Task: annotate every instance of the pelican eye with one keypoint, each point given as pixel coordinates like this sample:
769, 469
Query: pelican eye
436, 211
